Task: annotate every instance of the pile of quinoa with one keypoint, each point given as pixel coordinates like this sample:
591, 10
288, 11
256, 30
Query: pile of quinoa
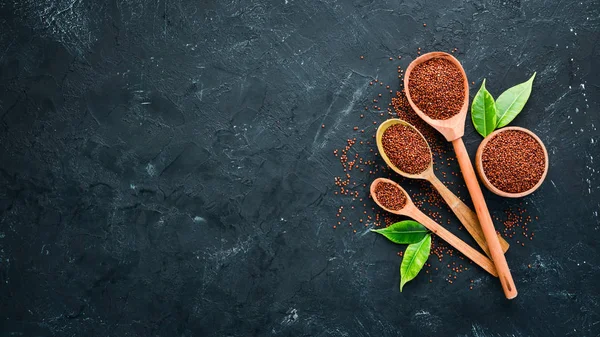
390, 196
406, 149
513, 161
437, 88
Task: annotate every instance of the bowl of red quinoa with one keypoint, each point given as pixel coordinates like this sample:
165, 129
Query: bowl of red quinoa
512, 162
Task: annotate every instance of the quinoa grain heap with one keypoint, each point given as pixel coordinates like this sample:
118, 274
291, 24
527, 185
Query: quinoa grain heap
390, 196
437, 88
513, 161
406, 148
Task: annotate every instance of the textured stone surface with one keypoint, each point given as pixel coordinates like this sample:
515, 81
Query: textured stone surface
164, 171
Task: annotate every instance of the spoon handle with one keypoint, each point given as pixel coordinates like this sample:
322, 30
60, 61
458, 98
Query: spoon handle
508, 285
454, 241
466, 216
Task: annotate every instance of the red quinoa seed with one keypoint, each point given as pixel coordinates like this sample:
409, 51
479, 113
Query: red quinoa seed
406, 149
390, 196
436, 87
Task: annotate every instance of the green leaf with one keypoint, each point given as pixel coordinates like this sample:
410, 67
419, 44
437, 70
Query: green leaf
483, 111
512, 101
415, 256
403, 232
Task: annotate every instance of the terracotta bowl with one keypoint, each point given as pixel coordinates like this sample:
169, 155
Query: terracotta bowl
484, 179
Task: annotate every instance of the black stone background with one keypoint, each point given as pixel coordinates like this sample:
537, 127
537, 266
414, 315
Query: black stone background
164, 171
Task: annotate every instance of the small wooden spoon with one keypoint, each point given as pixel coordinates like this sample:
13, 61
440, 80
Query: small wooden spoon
410, 210
466, 216
453, 129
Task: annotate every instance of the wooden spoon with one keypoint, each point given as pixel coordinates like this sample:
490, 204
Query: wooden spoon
453, 129
411, 211
466, 216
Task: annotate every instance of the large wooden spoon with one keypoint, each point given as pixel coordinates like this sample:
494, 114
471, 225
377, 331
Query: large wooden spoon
466, 216
453, 129
411, 211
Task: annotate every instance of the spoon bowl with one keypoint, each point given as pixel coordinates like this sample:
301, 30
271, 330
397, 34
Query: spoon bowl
453, 127
411, 211
404, 210
379, 138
